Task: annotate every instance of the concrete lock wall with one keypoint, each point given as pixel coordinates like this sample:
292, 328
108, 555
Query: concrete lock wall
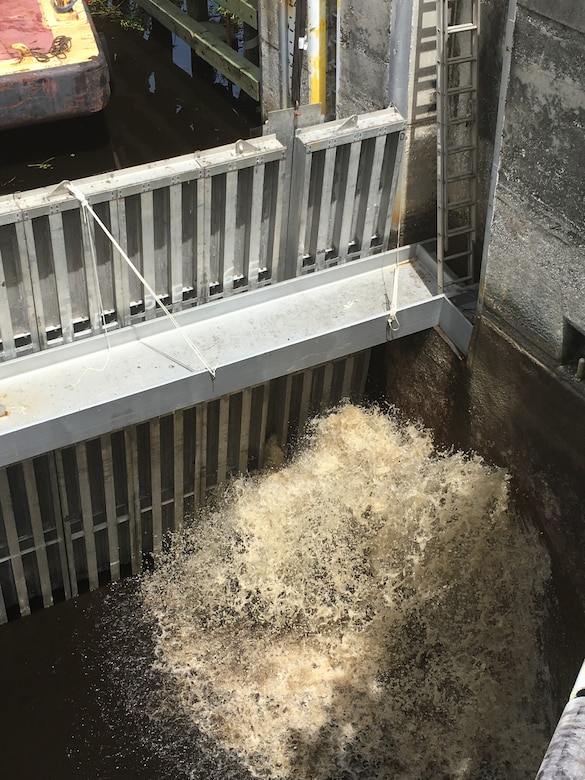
517, 400
535, 271
531, 332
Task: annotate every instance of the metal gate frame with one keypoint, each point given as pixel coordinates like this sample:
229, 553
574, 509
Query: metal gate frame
85, 515
198, 227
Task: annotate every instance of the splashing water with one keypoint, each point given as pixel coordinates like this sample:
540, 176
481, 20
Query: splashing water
370, 611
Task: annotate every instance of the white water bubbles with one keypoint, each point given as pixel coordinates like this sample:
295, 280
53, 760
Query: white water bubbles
372, 610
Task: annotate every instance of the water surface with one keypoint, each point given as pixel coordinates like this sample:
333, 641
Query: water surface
157, 110
373, 610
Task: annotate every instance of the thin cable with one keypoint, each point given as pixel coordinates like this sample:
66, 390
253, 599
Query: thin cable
393, 322
85, 205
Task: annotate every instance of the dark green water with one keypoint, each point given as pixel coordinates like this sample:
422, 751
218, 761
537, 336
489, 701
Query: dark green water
157, 111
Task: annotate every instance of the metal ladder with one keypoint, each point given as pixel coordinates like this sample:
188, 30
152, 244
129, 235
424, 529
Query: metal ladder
457, 75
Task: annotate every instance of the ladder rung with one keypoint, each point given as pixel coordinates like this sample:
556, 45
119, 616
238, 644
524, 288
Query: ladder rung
459, 120
461, 176
461, 149
460, 204
461, 60
461, 90
459, 281
461, 231
458, 28
467, 253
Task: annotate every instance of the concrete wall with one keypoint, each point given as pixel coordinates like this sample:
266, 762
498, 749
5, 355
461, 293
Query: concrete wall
525, 401
515, 412
513, 400
271, 71
568, 12
535, 270
365, 56
419, 191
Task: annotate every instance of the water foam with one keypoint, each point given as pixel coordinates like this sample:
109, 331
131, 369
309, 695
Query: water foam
372, 610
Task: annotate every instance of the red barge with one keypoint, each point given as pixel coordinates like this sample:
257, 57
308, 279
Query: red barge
52, 65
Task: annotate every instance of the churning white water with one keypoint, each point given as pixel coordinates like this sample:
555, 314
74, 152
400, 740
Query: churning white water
370, 611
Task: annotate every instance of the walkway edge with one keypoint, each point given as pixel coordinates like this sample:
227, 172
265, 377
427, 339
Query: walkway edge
78, 391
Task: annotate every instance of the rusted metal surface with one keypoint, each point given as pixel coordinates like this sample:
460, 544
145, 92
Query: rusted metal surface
59, 93
51, 65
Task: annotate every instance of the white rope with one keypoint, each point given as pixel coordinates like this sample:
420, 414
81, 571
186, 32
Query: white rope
393, 322
85, 205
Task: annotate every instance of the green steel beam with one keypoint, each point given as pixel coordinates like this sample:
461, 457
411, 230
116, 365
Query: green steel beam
244, 10
206, 45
